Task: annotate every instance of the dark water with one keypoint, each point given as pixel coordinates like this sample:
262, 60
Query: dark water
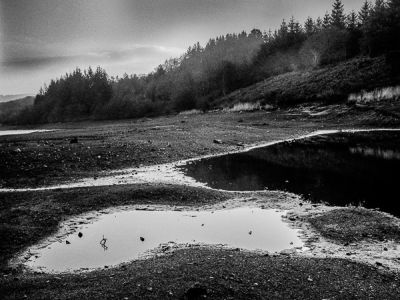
339, 169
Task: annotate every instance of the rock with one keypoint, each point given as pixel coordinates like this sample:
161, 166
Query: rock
385, 249
219, 142
378, 264
80, 234
74, 140
142, 239
196, 292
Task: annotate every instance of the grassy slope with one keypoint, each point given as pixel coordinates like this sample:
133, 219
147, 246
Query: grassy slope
329, 84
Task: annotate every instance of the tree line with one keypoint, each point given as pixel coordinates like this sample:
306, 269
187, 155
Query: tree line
224, 64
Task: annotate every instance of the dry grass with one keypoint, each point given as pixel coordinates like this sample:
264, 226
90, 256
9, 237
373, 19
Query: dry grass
387, 93
244, 107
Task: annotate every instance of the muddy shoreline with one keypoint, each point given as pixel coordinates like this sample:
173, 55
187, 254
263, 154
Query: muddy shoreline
327, 271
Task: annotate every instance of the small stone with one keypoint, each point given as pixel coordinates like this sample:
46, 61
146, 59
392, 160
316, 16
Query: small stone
74, 140
142, 239
67, 242
379, 264
80, 234
250, 232
385, 249
217, 141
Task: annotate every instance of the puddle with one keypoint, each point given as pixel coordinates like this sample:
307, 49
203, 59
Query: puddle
17, 132
338, 169
134, 234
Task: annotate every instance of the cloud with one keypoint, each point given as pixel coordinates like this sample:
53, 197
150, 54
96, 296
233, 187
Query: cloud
96, 57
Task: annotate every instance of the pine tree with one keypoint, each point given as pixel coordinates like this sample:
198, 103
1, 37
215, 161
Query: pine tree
318, 25
283, 30
337, 15
309, 26
326, 23
352, 21
379, 5
292, 25
364, 13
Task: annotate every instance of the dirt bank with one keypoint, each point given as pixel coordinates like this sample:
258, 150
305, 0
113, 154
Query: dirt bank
217, 274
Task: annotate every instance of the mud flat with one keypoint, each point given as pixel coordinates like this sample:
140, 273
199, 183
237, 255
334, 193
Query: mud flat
350, 252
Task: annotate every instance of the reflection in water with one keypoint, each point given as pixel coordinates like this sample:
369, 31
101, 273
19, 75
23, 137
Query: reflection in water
376, 152
339, 169
103, 243
130, 234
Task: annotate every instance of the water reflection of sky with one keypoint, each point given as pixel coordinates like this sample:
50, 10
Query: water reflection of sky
124, 236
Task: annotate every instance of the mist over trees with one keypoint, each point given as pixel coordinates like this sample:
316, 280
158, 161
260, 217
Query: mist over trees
224, 64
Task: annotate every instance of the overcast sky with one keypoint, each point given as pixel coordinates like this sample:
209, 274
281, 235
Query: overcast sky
42, 39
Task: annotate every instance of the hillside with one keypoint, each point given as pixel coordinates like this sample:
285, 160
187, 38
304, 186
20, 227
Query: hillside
328, 84
8, 98
12, 108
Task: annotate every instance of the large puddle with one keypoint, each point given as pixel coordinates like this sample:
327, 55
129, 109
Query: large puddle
338, 169
133, 234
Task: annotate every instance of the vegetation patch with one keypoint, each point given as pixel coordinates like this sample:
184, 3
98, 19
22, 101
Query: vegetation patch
350, 225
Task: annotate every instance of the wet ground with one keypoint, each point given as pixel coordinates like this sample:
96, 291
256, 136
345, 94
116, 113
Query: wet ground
338, 169
331, 269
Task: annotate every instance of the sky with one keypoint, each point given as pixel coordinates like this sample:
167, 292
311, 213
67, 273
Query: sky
43, 39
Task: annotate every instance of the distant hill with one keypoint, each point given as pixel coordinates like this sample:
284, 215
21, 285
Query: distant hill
10, 109
7, 98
